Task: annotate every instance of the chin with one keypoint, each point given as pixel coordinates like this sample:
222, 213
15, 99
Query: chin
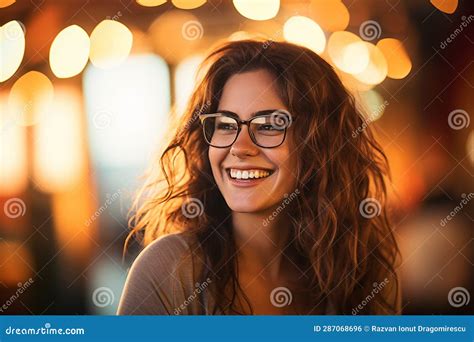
247, 205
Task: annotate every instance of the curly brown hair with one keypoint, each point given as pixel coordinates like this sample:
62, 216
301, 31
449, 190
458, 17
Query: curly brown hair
347, 253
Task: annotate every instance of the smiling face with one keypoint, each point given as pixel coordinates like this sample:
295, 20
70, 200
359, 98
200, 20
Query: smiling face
252, 178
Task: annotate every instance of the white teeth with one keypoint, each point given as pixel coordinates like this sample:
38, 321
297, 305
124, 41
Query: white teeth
246, 174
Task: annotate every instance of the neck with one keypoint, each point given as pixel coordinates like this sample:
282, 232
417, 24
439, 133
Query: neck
261, 241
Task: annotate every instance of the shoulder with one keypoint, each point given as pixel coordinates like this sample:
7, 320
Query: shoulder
170, 247
167, 255
160, 275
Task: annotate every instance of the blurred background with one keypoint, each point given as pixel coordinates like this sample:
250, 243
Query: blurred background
88, 88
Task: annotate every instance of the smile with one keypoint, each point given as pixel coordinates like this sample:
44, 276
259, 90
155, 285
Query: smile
248, 174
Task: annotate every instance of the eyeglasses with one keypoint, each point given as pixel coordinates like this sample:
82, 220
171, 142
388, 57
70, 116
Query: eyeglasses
266, 128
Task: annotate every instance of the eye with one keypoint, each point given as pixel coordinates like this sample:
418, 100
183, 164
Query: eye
266, 127
269, 128
226, 126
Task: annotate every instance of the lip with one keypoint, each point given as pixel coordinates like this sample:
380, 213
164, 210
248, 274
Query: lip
246, 183
248, 167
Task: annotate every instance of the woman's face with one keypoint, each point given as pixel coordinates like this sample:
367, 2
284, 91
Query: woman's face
245, 94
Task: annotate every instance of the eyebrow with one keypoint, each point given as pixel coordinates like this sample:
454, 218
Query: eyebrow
254, 114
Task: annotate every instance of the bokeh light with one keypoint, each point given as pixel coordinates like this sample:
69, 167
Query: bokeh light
348, 52
470, 146
12, 48
176, 34
188, 4
376, 70
59, 160
371, 104
331, 15
257, 9
16, 260
26, 94
111, 42
185, 80
304, 31
151, 3
69, 52
6, 3
398, 61
446, 6
13, 161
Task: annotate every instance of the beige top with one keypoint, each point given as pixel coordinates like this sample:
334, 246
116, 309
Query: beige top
163, 281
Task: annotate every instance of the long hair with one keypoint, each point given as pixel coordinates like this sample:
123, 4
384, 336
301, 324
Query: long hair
340, 224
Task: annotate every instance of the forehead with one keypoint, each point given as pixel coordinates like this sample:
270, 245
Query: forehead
250, 92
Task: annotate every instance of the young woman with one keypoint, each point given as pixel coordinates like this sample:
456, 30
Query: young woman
266, 202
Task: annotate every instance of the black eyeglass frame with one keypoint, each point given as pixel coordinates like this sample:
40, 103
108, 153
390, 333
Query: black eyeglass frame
256, 115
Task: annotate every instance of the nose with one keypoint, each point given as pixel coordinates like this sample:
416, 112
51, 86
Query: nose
244, 146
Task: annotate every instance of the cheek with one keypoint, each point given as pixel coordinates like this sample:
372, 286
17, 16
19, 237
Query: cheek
290, 161
284, 158
216, 156
287, 166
